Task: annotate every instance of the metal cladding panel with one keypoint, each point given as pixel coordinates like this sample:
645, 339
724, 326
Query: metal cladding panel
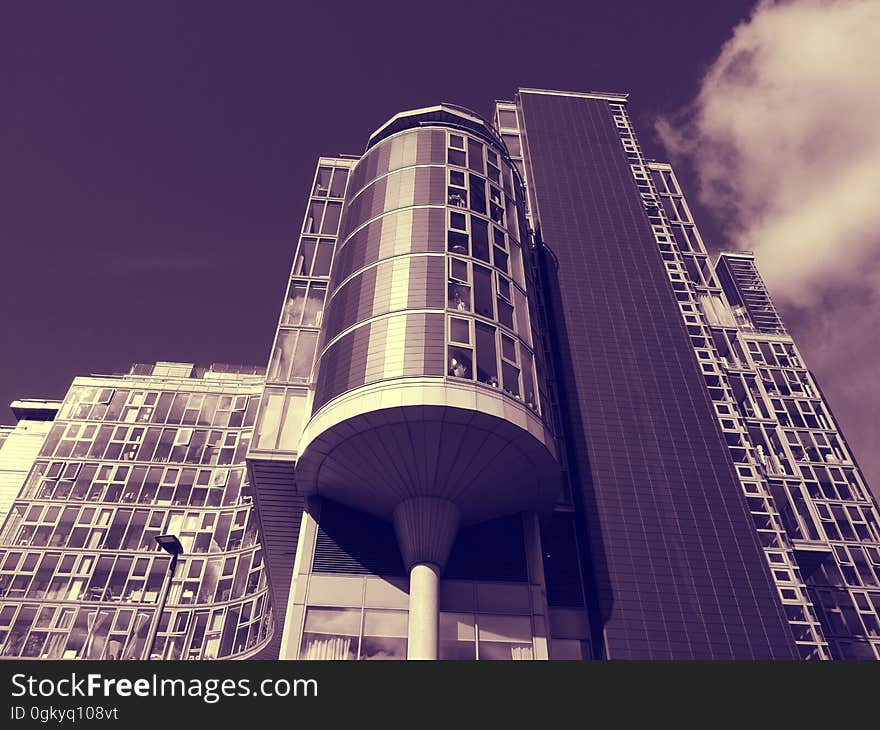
280, 509
676, 567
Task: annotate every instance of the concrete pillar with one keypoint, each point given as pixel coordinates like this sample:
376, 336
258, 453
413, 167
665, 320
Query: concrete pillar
426, 528
423, 638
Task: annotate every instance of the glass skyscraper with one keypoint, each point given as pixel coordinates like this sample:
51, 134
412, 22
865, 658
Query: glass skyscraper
513, 410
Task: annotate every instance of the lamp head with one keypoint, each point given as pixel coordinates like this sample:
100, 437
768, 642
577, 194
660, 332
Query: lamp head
170, 544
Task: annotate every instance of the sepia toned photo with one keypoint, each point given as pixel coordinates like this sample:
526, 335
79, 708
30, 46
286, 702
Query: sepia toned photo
501, 333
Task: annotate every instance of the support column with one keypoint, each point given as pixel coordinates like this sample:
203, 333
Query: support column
426, 528
424, 614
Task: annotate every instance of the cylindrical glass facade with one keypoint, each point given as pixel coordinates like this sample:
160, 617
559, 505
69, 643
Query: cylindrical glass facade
429, 277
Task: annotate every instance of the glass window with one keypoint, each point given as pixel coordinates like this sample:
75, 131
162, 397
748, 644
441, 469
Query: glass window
528, 378
508, 348
331, 633
478, 194
505, 313
480, 238
460, 363
513, 144
475, 156
456, 197
458, 242
291, 428
322, 182
457, 636
505, 637
456, 157
504, 287
456, 141
507, 118
384, 635
314, 307
304, 355
458, 269
483, 292
510, 376
296, 299
567, 649
270, 419
282, 356
337, 187
522, 316
487, 358
459, 297
457, 221
459, 330
323, 257
331, 219
313, 219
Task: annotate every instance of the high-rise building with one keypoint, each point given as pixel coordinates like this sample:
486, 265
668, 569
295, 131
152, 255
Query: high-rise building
517, 412
513, 410
156, 451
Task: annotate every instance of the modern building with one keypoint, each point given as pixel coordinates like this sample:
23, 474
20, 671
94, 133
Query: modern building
156, 451
509, 414
513, 410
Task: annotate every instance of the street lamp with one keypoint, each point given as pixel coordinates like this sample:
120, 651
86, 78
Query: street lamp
170, 544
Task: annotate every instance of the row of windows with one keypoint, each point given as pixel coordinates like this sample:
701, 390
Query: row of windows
103, 528
848, 522
136, 484
64, 632
477, 157
354, 633
478, 350
800, 413
815, 446
469, 191
139, 406
848, 614
787, 382
475, 288
778, 354
183, 444
469, 236
128, 579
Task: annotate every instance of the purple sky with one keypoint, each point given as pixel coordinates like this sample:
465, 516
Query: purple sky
155, 158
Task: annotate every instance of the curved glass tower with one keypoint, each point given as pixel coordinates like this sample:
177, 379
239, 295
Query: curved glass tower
427, 408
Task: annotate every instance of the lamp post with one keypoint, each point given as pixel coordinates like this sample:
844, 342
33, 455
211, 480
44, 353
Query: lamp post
170, 544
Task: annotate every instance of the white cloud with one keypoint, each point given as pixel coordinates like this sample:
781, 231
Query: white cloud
785, 138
